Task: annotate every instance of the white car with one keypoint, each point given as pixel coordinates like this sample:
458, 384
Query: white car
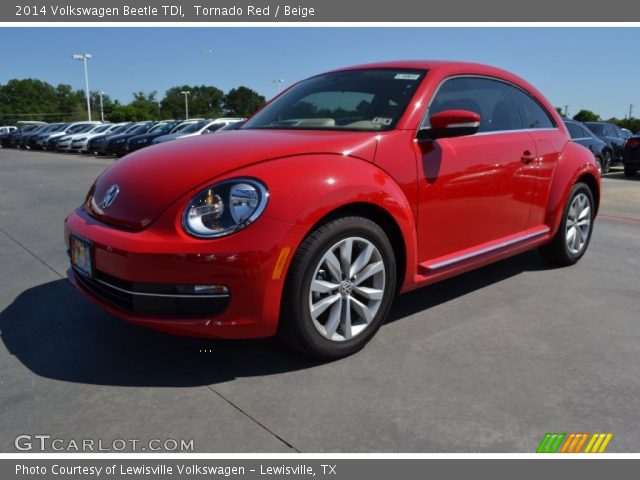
198, 127
49, 141
7, 129
79, 142
64, 143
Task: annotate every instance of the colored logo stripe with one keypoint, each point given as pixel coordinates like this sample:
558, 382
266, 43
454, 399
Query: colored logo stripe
550, 443
573, 442
598, 443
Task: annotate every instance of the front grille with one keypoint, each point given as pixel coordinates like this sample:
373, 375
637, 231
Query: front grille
153, 299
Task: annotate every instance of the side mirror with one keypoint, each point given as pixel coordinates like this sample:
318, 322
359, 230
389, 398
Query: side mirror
450, 123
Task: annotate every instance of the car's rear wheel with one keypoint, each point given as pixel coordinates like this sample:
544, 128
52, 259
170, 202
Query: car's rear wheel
339, 288
574, 234
630, 172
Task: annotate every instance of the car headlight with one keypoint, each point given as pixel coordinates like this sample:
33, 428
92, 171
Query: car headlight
224, 208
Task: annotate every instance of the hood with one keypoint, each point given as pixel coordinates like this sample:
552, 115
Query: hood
153, 178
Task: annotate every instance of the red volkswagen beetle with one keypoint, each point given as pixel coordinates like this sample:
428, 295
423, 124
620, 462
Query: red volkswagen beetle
346, 189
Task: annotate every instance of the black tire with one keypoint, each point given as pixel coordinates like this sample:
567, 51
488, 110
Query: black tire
297, 326
557, 251
630, 172
600, 163
606, 164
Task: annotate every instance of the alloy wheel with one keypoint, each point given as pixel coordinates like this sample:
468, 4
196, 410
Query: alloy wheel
347, 289
578, 223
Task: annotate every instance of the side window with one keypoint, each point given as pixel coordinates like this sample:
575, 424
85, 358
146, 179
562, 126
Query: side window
575, 130
609, 131
586, 133
533, 114
491, 99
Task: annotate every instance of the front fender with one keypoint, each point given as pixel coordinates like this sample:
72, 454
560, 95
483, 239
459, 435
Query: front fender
574, 163
305, 189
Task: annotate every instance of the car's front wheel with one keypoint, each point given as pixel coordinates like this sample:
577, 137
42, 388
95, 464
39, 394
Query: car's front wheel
339, 288
607, 161
574, 234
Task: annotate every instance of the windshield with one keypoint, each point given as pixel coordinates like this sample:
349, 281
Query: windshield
119, 128
139, 129
372, 99
101, 128
194, 127
161, 128
597, 128
181, 127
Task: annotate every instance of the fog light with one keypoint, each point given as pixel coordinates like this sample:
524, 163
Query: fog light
203, 289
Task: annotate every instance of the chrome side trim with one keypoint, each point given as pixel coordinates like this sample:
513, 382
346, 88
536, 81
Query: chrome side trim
498, 246
145, 294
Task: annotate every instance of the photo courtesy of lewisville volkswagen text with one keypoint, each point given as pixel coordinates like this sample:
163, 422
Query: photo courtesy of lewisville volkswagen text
272, 239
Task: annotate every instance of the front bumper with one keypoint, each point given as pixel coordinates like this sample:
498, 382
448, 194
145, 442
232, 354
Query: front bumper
117, 149
157, 259
632, 158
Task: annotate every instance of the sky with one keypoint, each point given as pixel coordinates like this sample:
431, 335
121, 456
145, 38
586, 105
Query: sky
593, 68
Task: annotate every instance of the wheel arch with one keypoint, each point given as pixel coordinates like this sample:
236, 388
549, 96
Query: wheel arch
381, 217
576, 164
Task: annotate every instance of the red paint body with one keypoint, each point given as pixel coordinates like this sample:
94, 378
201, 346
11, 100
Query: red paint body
422, 186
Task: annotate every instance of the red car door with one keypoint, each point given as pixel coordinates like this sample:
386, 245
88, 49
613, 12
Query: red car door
474, 190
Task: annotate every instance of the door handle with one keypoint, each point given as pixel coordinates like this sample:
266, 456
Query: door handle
527, 157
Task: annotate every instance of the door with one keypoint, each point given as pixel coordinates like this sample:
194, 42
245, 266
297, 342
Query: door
477, 189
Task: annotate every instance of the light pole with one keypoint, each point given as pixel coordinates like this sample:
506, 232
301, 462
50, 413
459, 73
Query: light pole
277, 83
101, 108
84, 58
186, 103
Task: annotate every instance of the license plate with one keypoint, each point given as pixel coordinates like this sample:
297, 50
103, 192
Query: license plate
81, 255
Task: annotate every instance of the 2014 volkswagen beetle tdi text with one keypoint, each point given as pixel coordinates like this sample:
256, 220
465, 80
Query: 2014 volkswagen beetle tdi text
346, 189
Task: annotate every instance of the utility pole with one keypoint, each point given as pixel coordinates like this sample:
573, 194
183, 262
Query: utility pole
630, 111
101, 108
566, 111
84, 58
186, 103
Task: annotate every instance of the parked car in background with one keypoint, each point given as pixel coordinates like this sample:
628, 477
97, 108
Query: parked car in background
28, 140
12, 139
163, 128
627, 133
187, 127
231, 126
7, 129
98, 143
20, 141
199, 127
117, 145
50, 141
63, 144
36, 141
612, 135
585, 137
631, 157
79, 141
417, 172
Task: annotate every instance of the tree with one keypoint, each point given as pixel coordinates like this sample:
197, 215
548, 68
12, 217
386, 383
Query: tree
30, 99
586, 116
204, 101
242, 102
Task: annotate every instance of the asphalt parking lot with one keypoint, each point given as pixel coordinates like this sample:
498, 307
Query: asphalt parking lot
486, 362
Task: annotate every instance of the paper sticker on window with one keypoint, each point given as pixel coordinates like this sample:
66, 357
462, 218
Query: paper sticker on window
407, 76
382, 120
